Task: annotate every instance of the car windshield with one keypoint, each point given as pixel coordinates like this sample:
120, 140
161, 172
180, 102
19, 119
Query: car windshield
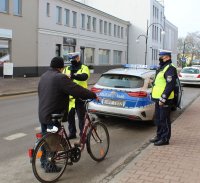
121, 81
190, 71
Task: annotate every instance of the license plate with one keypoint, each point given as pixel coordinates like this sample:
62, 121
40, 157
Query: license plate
189, 77
118, 103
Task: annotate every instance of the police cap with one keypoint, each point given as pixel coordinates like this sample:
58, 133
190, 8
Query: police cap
164, 52
73, 55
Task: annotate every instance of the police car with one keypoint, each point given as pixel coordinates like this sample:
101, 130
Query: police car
125, 92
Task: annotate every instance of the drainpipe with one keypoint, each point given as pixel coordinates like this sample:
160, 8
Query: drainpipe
128, 27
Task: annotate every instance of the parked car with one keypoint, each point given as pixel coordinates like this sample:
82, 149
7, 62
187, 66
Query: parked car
124, 92
190, 75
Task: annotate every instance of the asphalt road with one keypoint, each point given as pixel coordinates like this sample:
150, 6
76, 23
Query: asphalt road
19, 123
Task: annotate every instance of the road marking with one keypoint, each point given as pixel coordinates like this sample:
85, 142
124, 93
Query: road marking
15, 136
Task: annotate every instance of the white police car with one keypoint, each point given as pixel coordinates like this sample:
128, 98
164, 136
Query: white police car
124, 92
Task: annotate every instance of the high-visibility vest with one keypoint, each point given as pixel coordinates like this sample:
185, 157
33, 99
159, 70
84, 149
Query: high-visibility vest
84, 84
83, 69
160, 84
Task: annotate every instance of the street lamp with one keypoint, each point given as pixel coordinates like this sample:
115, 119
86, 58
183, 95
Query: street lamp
146, 37
183, 56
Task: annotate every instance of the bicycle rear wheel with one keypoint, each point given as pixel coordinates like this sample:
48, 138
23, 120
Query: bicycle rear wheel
98, 141
49, 160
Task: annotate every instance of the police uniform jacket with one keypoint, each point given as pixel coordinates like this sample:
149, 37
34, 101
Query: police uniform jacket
170, 77
53, 91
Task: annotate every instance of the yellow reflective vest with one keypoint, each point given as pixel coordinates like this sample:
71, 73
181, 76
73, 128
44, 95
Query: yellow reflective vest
84, 84
160, 84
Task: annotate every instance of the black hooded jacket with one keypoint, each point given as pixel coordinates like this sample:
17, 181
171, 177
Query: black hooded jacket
53, 91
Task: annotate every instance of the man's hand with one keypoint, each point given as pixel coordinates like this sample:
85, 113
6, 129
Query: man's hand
68, 75
98, 99
160, 103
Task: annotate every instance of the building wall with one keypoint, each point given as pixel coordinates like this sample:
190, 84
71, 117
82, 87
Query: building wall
24, 35
51, 33
138, 12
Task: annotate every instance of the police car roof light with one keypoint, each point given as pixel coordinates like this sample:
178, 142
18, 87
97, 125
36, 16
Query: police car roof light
135, 66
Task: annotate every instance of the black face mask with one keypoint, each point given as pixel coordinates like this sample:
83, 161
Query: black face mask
160, 59
74, 62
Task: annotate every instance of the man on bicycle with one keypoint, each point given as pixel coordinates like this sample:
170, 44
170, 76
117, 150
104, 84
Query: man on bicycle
53, 91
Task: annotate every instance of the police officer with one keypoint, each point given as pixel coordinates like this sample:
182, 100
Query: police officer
79, 73
163, 95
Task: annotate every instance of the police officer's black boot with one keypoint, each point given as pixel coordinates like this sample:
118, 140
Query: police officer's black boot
155, 139
161, 142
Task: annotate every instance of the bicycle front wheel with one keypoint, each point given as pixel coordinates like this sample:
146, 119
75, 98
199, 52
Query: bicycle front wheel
98, 141
49, 158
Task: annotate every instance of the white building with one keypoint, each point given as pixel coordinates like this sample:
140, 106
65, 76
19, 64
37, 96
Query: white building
43, 29
143, 15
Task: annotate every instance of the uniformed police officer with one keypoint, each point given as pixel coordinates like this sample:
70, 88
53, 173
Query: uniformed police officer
163, 95
79, 73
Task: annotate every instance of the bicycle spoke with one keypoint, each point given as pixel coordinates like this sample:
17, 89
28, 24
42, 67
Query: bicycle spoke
48, 165
98, 141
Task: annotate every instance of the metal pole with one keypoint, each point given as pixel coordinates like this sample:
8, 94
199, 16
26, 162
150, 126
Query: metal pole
183, 54
146, 40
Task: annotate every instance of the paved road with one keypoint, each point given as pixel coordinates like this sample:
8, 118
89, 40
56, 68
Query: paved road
19, 123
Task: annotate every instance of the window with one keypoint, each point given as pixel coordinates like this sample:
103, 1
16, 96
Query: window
105, 27
103, 56
110, 29
17, 7
58, 50
101, 26
118, 31
88, 22
48, 10
67, 17
74, 18
117, 57
115, 30
89, 55
120, 81
83, 21
122, 32
4, 6
94, 24
58, 15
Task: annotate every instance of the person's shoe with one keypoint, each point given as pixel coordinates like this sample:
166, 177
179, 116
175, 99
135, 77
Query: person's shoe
155, 139
72, 137
161, 143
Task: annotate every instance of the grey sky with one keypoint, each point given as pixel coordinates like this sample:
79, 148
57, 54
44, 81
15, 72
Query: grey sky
184, 14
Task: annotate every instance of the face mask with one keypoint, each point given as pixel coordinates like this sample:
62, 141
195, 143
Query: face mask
160, 59
74, 62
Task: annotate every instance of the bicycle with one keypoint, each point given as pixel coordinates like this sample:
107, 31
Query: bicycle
57, 150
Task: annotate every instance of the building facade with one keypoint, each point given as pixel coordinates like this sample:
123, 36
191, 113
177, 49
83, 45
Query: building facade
57, 27
148, 22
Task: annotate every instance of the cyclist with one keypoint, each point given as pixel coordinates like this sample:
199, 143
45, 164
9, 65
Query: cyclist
54, 89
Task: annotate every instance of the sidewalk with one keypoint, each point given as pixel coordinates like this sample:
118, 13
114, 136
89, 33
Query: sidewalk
178, 162
9, 86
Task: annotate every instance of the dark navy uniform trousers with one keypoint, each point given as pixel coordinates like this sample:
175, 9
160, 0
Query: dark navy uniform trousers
80, 109
162, 121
